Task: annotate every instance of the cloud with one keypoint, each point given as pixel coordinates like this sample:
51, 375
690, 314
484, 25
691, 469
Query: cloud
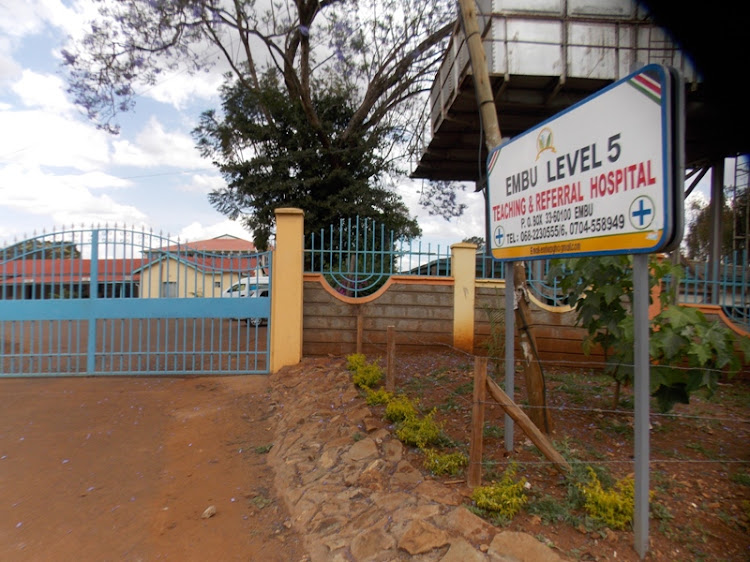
695, 201
41, 127
18, 19
180, 89
197, 231
154, 146
71, 20
438, 230
67, 199
43, 91
9, 68
203, 183
41, 138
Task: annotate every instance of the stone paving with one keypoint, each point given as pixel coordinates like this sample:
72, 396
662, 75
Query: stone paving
351, 492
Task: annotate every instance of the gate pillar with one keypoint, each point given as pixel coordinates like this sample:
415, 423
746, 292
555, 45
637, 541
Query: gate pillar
286, 289
463, 270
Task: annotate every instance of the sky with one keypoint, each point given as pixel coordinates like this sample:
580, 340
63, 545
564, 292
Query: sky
58, 170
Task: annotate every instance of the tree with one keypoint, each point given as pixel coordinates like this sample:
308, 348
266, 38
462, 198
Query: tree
478, 240
734, 225
266, 167
344, 75
37, 249
688, 351
601, 291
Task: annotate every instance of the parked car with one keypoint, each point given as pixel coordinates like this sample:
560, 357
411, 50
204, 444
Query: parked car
249, 287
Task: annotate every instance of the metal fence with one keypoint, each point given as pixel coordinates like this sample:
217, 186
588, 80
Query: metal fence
727, 285
358, 255
117, 301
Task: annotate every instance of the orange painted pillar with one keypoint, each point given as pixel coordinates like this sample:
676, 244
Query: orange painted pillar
463, 268
286, 289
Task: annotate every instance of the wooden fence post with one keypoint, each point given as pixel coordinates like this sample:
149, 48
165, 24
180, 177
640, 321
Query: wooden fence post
474, 478
532, 431
535, 387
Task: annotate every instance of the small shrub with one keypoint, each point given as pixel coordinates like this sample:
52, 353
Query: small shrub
551, 510
355, 361
444, 463
367, 376
742, 478
419, 432
504, 498
613, 507
378, 397
580, 477
400, 408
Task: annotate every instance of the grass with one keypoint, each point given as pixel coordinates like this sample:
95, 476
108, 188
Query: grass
551, 510
742, 478
450, 405
261, 502
702, 450
613, 425
465, 388
493, 432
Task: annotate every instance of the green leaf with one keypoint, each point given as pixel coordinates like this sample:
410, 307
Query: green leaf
667, 344
700, 351
668, 396
611, 293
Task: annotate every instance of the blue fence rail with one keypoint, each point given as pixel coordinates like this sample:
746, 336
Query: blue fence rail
117, 301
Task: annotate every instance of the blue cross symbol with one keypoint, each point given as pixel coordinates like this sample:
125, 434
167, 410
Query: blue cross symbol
499, 235
642, 211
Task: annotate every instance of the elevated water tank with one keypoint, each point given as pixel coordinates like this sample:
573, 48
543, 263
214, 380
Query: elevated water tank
543, 56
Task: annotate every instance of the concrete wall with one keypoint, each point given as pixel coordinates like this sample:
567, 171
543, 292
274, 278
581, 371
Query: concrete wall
420, 309
310, 318
558, 339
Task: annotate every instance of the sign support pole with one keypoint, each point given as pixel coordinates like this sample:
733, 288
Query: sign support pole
641, 389
510, 317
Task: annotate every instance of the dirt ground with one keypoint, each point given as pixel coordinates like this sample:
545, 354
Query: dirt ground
123, 469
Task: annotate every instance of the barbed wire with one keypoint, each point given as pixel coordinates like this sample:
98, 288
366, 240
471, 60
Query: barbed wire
564, 408
604, 462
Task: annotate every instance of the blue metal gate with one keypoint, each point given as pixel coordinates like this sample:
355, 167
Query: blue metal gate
111, 301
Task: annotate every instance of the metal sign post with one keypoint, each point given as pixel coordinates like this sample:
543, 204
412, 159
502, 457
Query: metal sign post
510, 360
598, 179
641, 391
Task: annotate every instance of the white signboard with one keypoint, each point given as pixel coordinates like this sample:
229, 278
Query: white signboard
594, 179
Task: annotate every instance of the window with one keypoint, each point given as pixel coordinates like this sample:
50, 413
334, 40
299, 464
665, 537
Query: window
168, 289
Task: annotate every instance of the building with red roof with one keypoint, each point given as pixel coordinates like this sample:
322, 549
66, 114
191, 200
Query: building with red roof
203, 268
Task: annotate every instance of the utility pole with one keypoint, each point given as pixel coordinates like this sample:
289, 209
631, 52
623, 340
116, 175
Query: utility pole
480, 73
493, 138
